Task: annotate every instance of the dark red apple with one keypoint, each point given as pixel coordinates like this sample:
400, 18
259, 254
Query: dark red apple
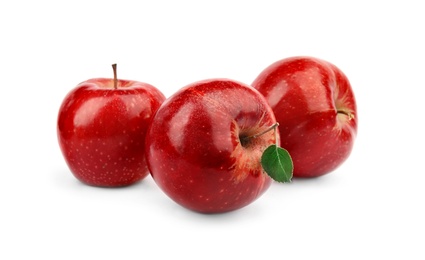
315, 107
202, 149
101, 128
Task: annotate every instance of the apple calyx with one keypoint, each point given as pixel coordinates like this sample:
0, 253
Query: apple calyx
114, 68
275, 160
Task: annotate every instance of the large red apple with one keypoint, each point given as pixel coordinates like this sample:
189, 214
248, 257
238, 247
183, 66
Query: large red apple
315, 107
101, 128
203, 150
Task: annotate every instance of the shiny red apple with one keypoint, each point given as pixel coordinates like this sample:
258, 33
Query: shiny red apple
101, 129
315, 107
203, 150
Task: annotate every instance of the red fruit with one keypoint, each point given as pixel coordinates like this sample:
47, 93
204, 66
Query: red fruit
198, 147
315, 107
101, 128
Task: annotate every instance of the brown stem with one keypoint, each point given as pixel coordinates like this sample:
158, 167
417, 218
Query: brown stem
245, 139
275, 134
350, 115
114, 67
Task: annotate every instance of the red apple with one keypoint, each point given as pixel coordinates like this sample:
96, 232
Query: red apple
315, 107
202, 149
101, 128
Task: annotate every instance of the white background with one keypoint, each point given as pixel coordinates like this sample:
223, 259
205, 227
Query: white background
369, 208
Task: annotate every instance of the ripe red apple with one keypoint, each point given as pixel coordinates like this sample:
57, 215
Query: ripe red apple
101, 128
315, 107
203, 150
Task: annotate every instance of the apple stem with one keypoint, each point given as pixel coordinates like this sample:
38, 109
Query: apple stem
275, 133
114, 67
350, 115
272, 127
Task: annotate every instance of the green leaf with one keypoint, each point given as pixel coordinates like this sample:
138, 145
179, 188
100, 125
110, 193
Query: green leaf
277, 163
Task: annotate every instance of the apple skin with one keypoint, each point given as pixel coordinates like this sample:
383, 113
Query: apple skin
194, 149
315, 107
101, 130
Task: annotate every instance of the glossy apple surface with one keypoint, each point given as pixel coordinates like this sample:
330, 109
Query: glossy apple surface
197, 147
101, 130
315, 106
